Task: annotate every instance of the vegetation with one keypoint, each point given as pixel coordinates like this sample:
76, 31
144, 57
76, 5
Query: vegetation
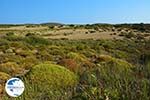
57, 82
64, 69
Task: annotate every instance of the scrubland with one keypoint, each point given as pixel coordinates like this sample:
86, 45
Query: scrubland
77, 62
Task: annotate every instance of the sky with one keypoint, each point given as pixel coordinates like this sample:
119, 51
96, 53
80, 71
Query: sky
74, 11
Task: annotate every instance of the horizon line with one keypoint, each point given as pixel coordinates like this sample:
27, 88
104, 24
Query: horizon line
63, 23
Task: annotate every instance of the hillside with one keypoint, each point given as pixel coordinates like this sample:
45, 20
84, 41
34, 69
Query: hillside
77, 62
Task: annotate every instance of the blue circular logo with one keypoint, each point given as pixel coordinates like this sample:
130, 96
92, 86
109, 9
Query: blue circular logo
14, 87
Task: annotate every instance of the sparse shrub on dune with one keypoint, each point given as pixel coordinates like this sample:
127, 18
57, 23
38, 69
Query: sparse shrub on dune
20, 45
11, 58
36, 40
30, 34
43, 55
70, 64
56, 50
4, 76
77, 57
28, 62
3, 58
49, 81
108, 44
104, 58
10, 34
23, 53
117, 65
4, 42
130, 35
1, 90
88, 52
92, 31
120, 54
76, 66
140, 36
10, 68
81, 60
13, 38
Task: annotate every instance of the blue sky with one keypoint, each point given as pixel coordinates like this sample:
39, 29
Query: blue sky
75, 11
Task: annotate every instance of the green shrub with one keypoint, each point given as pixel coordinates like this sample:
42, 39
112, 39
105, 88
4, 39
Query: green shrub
130, 35
13, 38
76, 56
35, 40
4, 42
10, 34
55, 50
20, 45
43, 55
116, 76
49, 80
114, 65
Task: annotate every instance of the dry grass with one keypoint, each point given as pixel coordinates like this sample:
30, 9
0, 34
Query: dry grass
66, 33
